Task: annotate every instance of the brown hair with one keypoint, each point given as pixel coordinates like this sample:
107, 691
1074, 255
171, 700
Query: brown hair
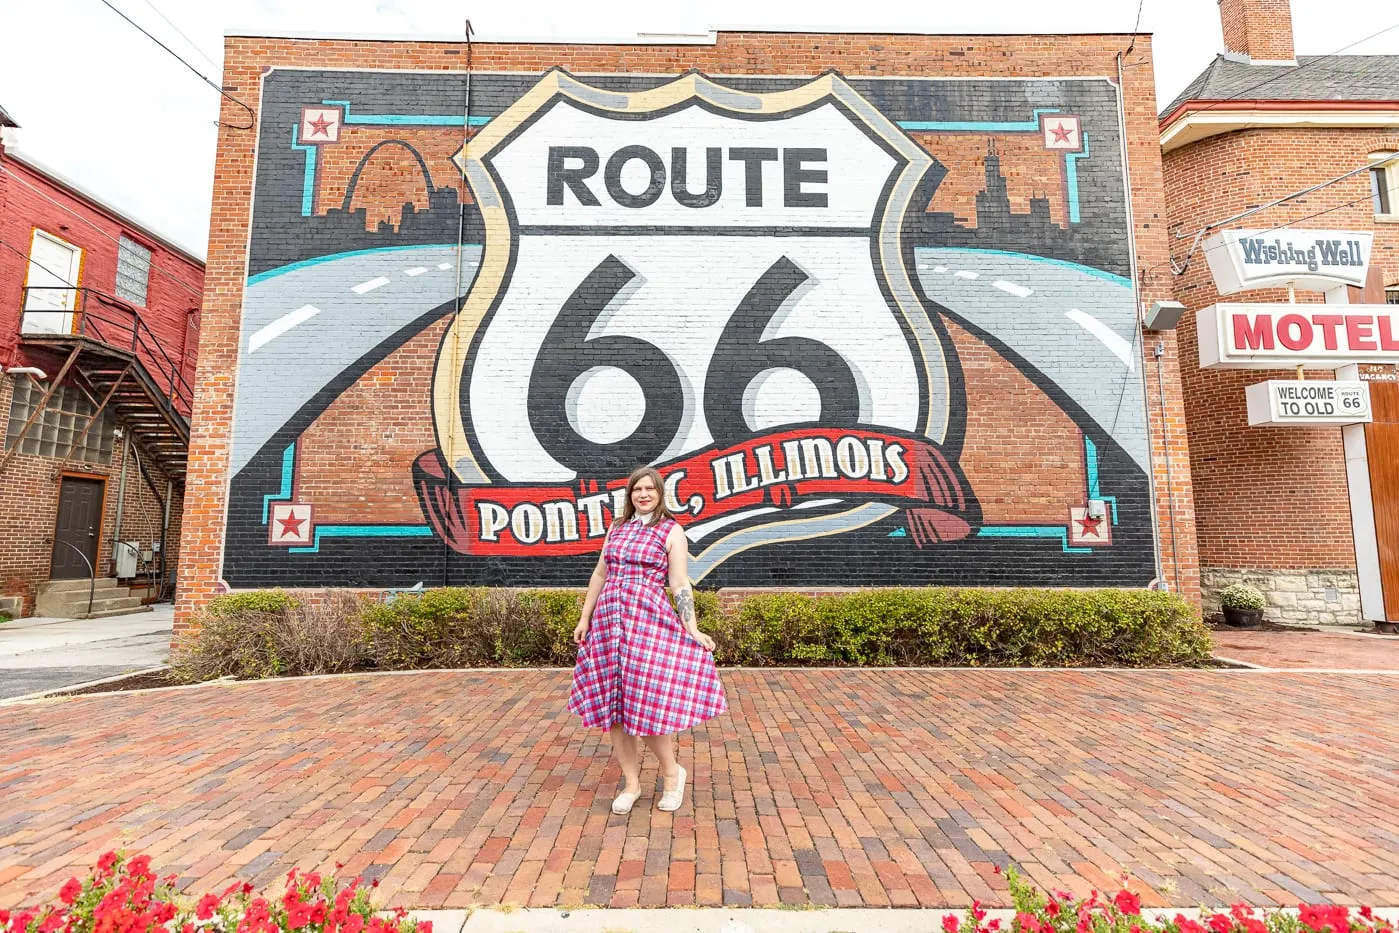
629, 510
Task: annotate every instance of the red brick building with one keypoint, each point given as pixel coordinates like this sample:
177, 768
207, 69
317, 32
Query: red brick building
872, 303
1260, 125
99, 326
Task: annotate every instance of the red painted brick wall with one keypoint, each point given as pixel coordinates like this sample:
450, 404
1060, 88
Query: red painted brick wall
32, 200
29, 485
1270, 498
246, 58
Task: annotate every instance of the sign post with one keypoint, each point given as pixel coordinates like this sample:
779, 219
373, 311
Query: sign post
1337, 336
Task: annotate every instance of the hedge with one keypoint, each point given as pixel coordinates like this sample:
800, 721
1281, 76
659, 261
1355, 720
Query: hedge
267, 633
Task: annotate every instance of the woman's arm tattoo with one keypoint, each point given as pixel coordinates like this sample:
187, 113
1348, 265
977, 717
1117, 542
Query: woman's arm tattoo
685, 604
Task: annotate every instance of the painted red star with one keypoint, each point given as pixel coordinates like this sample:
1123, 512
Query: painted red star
291, 525
1061, 133
320, 126
1089, 526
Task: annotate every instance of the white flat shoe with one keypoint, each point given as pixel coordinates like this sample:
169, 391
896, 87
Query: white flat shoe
622, 803
672, 799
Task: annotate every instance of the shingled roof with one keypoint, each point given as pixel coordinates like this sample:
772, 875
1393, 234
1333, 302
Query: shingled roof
1313, 78
6, 119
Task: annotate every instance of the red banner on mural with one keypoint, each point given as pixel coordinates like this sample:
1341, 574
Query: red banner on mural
782, 469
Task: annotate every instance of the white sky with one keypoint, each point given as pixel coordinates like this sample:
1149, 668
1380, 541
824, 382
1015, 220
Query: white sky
100, 103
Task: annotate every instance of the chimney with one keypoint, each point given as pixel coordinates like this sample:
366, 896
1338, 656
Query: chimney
1260, 29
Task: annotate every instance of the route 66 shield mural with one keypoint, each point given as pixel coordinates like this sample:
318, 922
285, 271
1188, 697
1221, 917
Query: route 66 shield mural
728, 301
869, 330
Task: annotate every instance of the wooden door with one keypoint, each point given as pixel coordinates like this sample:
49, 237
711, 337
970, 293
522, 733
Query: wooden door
79, 528
51, 298
1382, 452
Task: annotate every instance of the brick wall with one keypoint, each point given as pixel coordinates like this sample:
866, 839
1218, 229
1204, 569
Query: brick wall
29, 491
1022, 440
1267, 499
32, 200
1260, 29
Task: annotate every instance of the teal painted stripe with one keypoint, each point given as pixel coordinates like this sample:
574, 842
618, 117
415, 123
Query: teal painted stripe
288, 464
362, 531
977, 126
403, 119
1121, 280
1071, 177
306, 263
1095, 491
1090, 461
308, 175
1033, 531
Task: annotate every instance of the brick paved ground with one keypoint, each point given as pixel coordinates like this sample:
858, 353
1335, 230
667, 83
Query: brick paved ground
834, 787
1323, 650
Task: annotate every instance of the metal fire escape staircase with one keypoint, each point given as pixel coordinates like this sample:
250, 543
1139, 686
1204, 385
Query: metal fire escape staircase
120, 365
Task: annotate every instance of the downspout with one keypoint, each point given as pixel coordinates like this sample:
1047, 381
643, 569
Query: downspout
1141, 355
121, 488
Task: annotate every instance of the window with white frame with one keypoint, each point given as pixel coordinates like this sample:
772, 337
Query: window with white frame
1384, 183
1391, 295
60, 425
133, 270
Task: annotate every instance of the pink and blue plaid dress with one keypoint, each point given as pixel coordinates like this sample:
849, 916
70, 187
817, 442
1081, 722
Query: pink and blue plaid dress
638, 666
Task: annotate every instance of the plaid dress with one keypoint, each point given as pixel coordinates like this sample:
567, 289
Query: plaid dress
638, 666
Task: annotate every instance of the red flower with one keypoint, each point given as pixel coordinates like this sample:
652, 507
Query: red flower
1028, 923
1220, 923
1128, 903
1185, 925
207, 905
70, 891
977, 911
950, 923
139, 866
1052, 908
1367, 913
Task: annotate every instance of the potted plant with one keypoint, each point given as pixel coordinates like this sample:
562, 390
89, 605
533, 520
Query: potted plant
1242, 604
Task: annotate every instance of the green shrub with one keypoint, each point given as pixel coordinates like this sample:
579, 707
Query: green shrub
1241, 596
266, 634
251, 601
966, 627
270, 634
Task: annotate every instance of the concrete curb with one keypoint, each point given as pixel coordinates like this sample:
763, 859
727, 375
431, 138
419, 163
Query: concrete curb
52, 694
737, 920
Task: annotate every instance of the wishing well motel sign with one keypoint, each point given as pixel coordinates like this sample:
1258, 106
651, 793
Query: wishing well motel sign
1287, 336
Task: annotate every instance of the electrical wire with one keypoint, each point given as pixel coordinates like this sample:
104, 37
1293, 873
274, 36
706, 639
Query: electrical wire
180, 33
59, 204
252, 115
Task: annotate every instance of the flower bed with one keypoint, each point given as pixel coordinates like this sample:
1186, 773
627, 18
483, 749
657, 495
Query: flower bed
126, 896
122, 896
272, 633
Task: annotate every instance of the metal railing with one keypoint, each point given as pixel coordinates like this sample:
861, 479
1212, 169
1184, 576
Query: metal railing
91, 571
110, 321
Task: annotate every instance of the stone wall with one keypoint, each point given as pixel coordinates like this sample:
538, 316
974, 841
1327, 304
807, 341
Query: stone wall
1295, 597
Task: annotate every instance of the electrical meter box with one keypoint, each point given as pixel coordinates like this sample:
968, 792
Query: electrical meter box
125, 553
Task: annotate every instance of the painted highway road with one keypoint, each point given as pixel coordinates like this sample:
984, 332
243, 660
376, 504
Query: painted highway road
306, 323
1072, 323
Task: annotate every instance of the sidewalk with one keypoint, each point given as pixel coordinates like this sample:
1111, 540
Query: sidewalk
1310, 650
39, 654
852, 788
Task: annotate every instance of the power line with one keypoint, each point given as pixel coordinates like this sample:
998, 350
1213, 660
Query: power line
192, 43
252, 116
59, 204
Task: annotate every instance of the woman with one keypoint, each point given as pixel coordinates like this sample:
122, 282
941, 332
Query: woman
645, 670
